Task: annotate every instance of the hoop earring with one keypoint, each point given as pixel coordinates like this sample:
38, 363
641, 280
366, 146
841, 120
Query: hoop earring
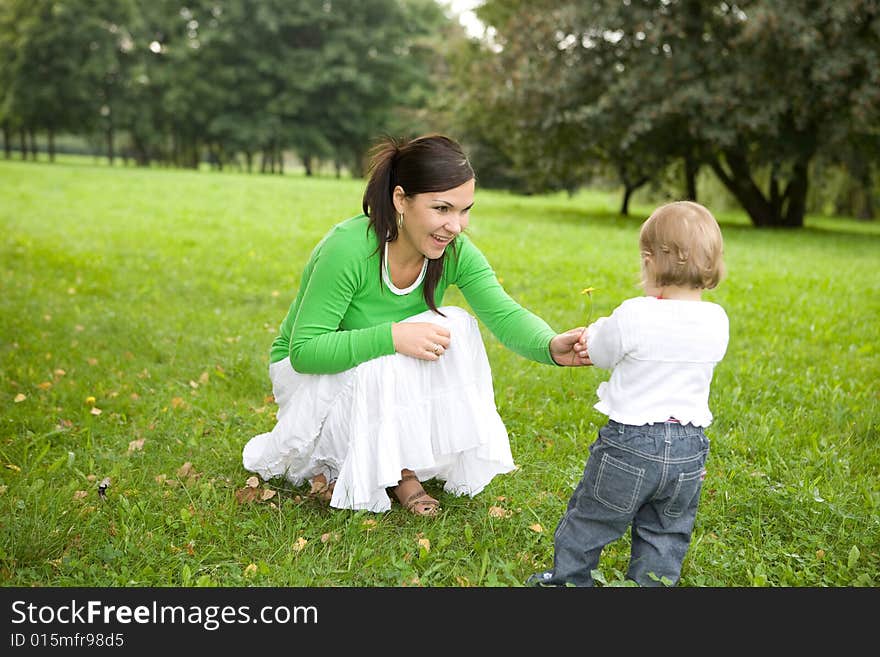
400, 221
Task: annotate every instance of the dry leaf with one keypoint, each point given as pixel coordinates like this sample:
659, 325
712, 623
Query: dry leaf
203, 378
253, 482
13, 467
161, 478
136, 445
247, 495
4, 487
177, 402
45, 385
462, 581
329, 536
820, 554
499, 512
536, 528
193, 384
250, 570
425, 543
185, 470
92, 361
267, 494
95, 410
80, 494
369, 524
20, 398
60, 372
299, 544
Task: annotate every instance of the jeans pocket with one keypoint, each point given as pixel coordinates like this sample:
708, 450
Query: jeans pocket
618, 484
686, 488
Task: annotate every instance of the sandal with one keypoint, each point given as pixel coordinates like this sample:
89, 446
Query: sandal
419, 503
321, 490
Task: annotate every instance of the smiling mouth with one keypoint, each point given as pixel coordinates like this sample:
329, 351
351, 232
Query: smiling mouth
444, 240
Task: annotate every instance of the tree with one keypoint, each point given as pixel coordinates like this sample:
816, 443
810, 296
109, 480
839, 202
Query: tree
753, 89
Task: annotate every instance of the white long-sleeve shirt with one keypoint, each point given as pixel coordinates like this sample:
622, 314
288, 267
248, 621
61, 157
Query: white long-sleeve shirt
662, 353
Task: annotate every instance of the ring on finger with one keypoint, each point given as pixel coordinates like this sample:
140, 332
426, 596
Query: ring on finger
437, 349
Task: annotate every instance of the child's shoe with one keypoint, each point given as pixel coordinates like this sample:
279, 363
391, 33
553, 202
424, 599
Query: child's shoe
544, 579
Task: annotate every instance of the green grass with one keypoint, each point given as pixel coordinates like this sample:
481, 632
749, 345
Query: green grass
157, 293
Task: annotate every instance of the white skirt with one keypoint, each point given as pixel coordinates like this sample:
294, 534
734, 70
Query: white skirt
363, 426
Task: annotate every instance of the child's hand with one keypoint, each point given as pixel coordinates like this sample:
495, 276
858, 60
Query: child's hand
568, 350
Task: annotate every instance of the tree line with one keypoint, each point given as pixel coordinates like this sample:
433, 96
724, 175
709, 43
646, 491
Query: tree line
761, 92
767, 95
173, 82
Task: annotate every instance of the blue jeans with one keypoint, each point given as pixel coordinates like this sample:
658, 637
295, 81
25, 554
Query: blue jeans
648, 477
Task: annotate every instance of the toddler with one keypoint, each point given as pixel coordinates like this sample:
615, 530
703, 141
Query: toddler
645, 469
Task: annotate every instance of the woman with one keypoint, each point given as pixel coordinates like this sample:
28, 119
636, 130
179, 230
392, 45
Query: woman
378, 387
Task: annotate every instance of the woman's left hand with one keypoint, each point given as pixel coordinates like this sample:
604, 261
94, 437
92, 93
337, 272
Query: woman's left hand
568, 350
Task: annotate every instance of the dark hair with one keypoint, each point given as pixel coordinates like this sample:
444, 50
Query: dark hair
431, 163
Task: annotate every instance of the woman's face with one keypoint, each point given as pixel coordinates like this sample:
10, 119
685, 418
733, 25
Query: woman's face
431, 220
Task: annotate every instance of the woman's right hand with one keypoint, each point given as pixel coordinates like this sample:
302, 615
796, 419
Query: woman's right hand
421, 340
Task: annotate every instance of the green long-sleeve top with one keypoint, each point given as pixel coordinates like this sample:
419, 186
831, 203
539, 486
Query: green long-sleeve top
343, 311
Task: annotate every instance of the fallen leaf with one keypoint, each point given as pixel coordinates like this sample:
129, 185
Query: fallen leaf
425, 543
246, 495
193, 384
177, 402
203, 378
369, 524
536, 528
135, 396
92, 361
250, 570
136, 445
299, 544
820, 554
161, 478
80, 494
325, 538
4, 487
59, 372
13, 467
267, 494
185, 470
20, 398
45, 385
252, 482
499, 512
95, 410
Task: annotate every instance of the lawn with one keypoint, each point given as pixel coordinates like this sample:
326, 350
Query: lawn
137, 311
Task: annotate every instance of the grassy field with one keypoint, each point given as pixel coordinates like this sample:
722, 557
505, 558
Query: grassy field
137, 311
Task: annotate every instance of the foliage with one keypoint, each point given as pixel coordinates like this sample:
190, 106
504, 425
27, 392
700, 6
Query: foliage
224, 78
745, 88
136, 333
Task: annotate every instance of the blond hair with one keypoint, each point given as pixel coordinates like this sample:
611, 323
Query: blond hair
681, 245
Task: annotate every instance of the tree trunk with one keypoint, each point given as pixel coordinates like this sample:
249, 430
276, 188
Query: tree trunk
866, 212
33, 138
691, 168
249, 158
786, 211
338, 165
22, 137
307, 163
628, 189
7, 140
110, 150
51, 145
